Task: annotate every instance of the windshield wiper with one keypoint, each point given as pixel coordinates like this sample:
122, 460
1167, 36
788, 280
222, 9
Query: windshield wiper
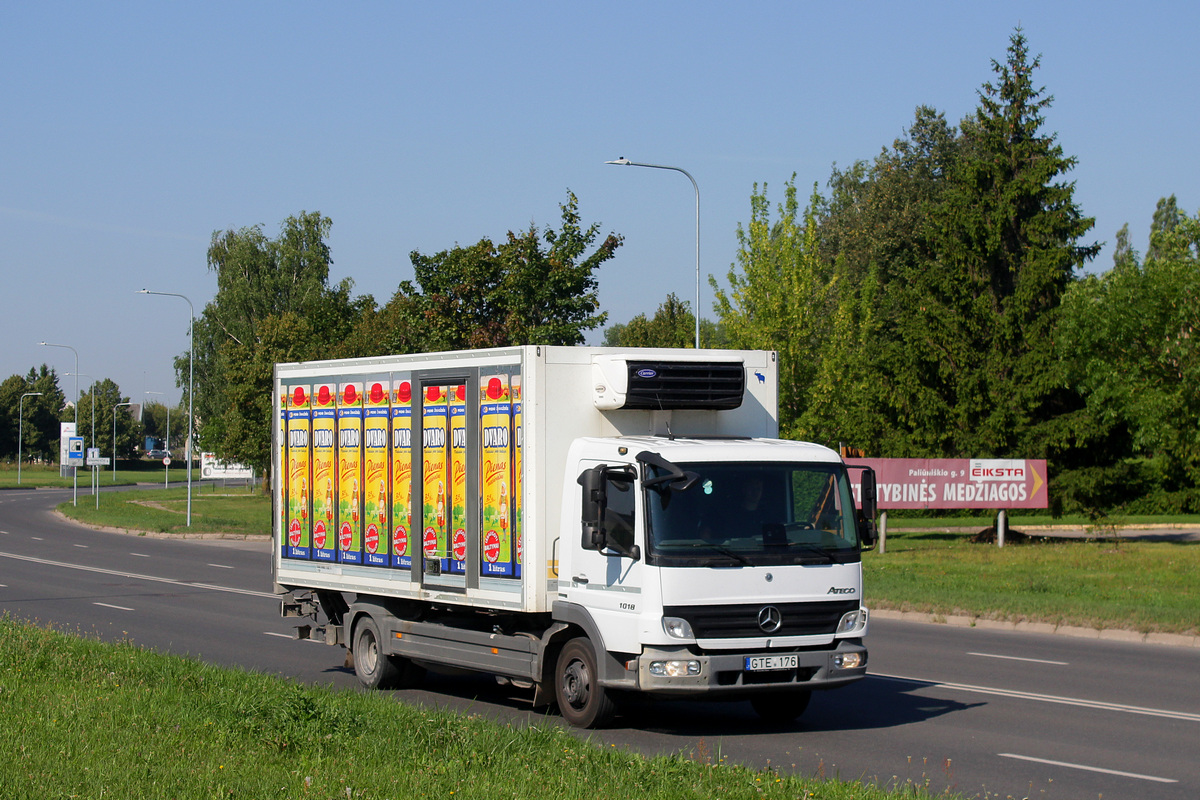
723, 550
815, 550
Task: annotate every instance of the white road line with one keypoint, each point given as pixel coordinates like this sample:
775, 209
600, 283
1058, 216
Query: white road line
289, 636
221, 566
136, 576
1069, 765
139, 555
1099, 705
36, 538
110, 605
84, 546
1018, 658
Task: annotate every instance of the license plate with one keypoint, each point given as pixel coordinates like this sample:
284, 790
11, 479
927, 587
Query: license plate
765, 663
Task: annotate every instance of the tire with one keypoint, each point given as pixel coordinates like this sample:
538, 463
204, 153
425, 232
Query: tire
781, 707
582, 701
374, 669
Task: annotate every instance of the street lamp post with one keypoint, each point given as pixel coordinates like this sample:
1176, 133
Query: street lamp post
191, 386
20, 431
74, 470
114, 464
625, 162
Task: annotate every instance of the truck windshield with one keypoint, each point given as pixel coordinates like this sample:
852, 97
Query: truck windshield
753, 514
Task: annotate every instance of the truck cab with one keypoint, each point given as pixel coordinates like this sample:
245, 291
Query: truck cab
715, 567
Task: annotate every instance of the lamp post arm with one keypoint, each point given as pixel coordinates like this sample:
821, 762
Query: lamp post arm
625, 162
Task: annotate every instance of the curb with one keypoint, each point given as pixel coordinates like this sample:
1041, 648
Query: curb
1104, 634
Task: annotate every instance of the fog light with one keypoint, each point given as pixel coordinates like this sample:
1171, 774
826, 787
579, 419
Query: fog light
674, 669
847, 660
677, 628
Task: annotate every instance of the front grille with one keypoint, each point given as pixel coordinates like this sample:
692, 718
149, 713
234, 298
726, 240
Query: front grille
741, 621
682, 385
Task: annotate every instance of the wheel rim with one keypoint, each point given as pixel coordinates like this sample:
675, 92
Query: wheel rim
576, 684
370, 656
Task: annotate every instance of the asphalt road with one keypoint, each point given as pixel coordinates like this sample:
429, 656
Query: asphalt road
986, 713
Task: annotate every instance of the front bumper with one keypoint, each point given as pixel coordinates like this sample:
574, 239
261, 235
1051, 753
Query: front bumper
725, 673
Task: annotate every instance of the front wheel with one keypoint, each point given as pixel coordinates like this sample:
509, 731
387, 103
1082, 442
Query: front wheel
781, 707
582, 701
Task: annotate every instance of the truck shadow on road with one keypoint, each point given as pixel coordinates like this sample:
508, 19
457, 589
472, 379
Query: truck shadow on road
872, 703
869, 704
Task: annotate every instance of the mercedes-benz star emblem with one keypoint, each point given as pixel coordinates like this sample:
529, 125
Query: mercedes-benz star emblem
769, 619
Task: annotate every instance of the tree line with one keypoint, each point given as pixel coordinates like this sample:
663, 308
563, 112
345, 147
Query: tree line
33, 406
930, 303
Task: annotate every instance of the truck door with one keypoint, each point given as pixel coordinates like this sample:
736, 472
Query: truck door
608, 581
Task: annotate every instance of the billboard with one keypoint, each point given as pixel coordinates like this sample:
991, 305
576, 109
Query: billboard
213, 468
948, 483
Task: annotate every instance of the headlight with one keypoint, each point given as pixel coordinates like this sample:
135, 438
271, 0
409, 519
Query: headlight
675, 669
852, 621
677, 628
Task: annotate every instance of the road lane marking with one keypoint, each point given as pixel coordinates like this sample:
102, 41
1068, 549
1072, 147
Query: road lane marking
1069, 765
221, 566
110, 605
1098, 705
1019, 658
84, 546
139, 555
289, 636
139, 577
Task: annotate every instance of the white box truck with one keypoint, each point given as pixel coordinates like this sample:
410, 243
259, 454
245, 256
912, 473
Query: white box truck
593, 523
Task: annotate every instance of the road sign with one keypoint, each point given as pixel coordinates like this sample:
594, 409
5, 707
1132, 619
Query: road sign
75, 451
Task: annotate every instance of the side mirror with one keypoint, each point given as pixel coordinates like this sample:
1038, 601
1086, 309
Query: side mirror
595, 498
869, 507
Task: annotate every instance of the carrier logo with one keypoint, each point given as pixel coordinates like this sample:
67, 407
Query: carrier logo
836, 590
770, 619
647, 373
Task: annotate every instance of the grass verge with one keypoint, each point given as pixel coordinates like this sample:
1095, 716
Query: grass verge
214, 510
1133, 585
79, 718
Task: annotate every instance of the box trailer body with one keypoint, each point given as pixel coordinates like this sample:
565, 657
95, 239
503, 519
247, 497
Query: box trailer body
592, 522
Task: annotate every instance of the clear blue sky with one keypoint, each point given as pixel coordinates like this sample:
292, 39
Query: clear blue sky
132, 131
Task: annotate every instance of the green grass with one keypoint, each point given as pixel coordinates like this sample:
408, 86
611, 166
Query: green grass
1142, 586
128, 472
79, 718
232, 510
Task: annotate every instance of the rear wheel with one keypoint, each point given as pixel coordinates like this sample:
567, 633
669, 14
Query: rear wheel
781, 707
582, 701
374, 669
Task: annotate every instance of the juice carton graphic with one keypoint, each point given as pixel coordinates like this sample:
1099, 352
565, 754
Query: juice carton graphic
350, 477
298, 472
377, 409
435, 447
495, 423
458, 479
324, 455
401, 490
